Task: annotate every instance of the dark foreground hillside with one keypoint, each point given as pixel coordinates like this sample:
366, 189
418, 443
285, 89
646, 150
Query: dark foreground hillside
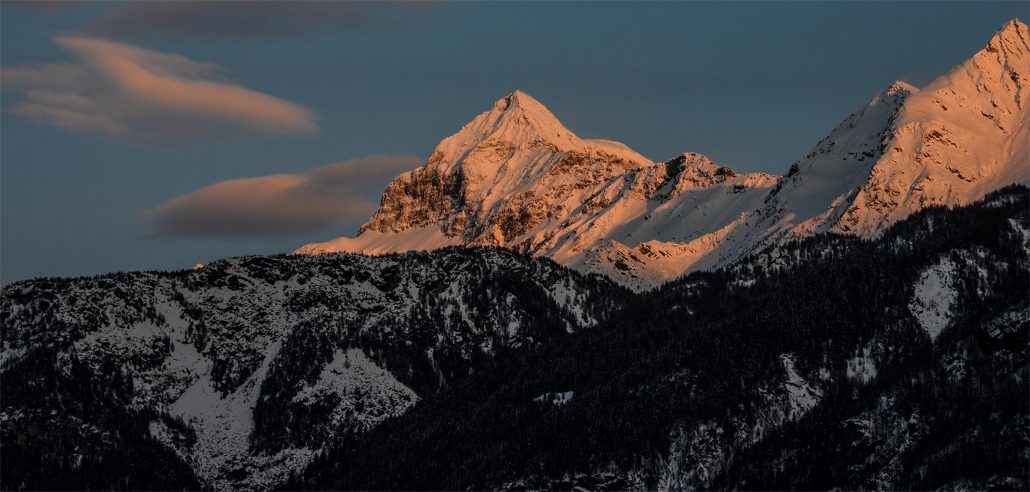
237, 374
896, 363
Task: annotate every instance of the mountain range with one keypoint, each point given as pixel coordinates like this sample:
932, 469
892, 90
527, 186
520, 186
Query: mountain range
515, 177
534, 310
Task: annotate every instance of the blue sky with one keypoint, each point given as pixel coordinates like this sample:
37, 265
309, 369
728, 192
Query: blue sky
752, 85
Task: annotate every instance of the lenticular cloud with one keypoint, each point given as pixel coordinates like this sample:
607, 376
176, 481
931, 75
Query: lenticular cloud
282, 204
132, 93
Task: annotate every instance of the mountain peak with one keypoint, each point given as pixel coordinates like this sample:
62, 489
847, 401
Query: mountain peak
502, 175
995, 79
693, 161
900, 86
962, 135
514, 97
891, 98
516, 120
1009, 48
522, 110
1012, 35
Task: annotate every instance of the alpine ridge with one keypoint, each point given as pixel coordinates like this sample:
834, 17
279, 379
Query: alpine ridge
959, 138
515, 177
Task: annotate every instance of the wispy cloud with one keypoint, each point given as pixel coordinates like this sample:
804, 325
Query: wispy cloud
143, 95
252, 19
283, 204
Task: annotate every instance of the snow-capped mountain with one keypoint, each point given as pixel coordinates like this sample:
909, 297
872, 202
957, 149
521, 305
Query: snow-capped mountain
510, 172
962, 136
516, 177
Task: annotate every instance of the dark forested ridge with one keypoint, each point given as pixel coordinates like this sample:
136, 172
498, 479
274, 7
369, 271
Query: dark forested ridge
805, 367
899, 362
237, 374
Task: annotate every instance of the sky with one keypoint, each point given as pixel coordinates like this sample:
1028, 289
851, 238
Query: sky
152, 136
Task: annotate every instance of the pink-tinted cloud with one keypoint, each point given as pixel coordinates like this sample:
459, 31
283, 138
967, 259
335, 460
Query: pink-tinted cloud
138, 94
283, 204
252, 19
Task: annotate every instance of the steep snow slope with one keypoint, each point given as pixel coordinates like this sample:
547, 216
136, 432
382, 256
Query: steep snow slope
818, 188
663, 221
959, 138
951, 143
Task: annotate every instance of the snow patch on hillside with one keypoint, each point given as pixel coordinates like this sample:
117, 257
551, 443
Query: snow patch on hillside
223, 425
1023, 231
802, 395
559, 398
367, 393
934, 295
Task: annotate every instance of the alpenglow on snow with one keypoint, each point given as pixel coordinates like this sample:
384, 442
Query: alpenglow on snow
516, 177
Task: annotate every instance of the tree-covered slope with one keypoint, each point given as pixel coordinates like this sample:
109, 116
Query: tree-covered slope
899, 362
236, 374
